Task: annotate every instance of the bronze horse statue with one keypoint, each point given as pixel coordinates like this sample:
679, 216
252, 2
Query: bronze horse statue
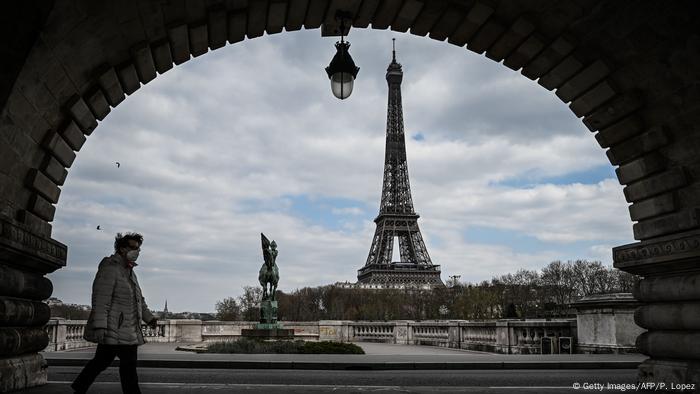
269, 272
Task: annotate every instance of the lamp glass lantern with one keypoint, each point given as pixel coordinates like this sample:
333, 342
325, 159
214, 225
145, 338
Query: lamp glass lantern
342, 70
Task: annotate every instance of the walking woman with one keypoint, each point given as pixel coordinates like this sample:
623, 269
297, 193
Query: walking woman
118, 307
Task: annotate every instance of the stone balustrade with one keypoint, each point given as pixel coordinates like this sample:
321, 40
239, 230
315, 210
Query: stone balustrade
68, 334
65, 334
372, 332
498, 336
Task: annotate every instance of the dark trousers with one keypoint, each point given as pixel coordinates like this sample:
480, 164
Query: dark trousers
103, 358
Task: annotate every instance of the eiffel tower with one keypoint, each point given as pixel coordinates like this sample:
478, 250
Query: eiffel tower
397, 221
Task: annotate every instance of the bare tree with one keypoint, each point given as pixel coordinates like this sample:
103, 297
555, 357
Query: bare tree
624, 281
587, 275
71, 312
557, 286
228, 309
249, 303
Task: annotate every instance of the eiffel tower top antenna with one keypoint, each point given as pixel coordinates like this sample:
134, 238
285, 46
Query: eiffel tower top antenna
393, 45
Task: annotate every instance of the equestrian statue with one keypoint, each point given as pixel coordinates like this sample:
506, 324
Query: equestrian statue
269, 274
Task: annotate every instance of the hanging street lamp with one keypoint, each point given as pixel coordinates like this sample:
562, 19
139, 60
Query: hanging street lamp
342, 70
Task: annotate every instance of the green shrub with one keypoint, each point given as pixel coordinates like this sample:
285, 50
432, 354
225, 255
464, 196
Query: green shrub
252, 346
327, 347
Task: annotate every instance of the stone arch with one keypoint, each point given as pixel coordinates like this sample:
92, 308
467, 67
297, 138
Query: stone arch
596, 85
628, 79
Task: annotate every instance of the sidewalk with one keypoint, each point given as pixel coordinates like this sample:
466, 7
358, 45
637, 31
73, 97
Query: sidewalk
378, 356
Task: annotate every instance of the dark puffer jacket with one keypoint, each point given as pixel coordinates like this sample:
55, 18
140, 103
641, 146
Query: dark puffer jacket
117, 305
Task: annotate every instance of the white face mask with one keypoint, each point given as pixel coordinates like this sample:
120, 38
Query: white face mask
132, 255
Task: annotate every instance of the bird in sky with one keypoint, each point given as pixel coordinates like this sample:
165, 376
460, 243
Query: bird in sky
98, 227
117, 164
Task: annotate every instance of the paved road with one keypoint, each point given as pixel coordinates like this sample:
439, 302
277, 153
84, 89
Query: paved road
158, 380
62, 370
375, 353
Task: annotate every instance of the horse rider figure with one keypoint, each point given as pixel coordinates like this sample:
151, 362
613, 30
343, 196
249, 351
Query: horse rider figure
269, 272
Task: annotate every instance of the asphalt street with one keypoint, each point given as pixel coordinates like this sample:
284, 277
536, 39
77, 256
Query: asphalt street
165, 380
416, 369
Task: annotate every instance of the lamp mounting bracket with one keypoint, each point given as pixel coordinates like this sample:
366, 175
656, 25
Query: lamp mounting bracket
339, 26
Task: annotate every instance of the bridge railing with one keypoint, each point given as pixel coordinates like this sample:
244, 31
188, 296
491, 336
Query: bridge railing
68, 334
498, 336
372, 332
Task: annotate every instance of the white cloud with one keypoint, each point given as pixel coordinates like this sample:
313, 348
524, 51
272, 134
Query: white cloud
353, 211
476, 262
555, 213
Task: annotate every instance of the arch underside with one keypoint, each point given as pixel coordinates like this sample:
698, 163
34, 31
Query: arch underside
629, 70
611, 72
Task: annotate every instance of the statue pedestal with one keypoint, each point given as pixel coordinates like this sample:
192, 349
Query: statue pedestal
268, 312
269, 327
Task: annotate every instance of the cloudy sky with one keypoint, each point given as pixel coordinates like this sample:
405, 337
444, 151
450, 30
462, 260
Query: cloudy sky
249, 139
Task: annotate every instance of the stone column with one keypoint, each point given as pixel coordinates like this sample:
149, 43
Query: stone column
605, 323
168, 331
506, 338
345, 331
670, 290
24, 260
401, 332
454, 335
61, 334
186, 330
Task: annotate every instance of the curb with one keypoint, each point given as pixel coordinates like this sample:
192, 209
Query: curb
361, 366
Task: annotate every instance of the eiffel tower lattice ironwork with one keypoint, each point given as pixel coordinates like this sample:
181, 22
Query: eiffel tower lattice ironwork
397, 221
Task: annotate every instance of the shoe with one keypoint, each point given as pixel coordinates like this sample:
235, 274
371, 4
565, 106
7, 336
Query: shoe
76, 390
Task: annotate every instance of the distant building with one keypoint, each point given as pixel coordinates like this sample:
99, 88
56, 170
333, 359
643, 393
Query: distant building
191, 315
55, 302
